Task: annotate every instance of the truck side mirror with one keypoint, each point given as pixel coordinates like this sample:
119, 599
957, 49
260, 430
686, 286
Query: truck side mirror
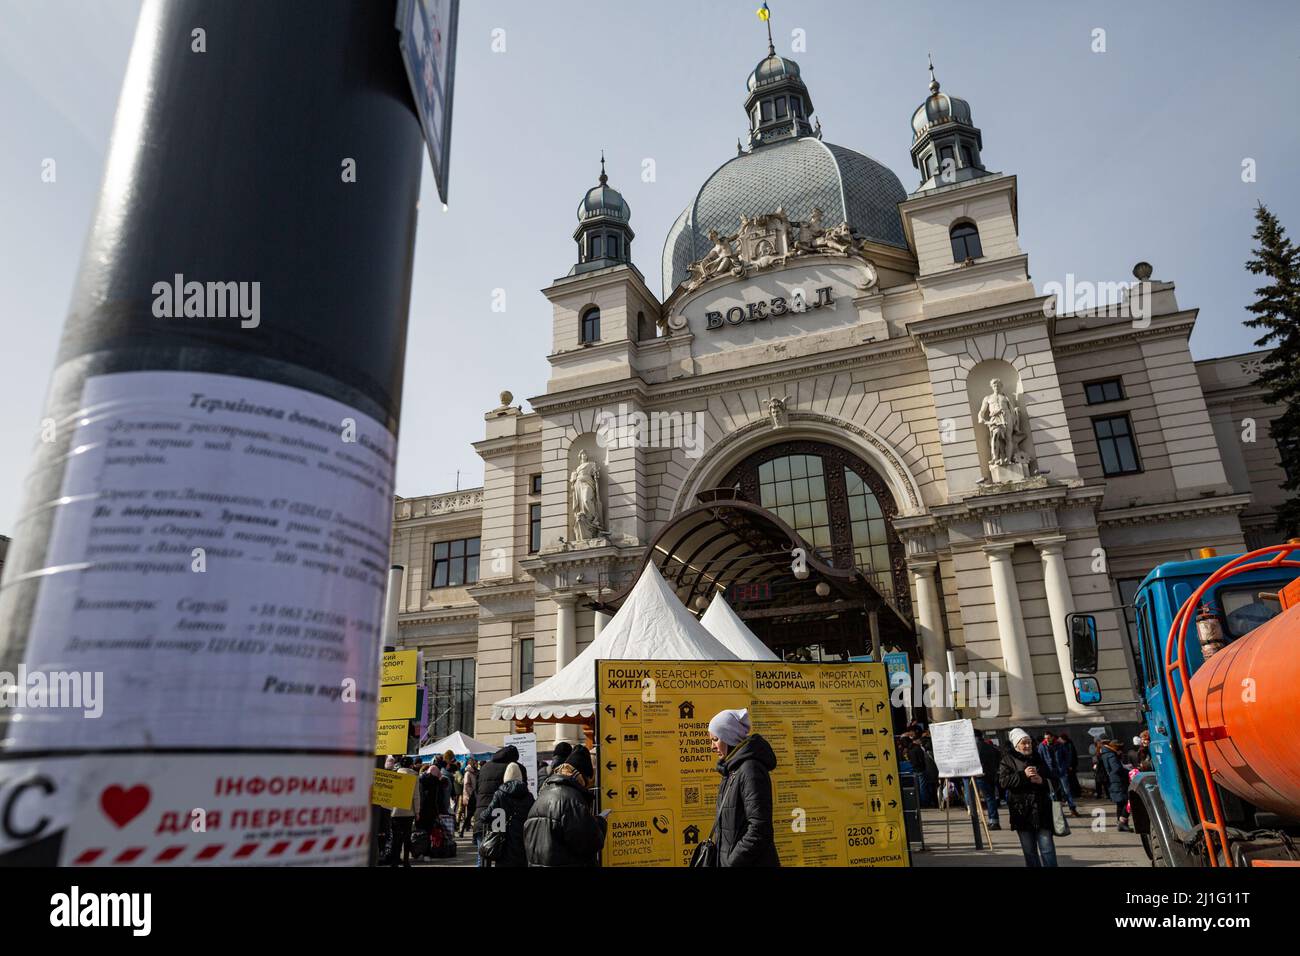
1083, 643
1086, 690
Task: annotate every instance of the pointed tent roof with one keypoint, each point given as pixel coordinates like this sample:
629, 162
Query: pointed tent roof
651, 625
458, 744
725, 624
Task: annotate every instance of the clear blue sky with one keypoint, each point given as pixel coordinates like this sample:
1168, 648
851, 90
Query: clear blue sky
1130, 154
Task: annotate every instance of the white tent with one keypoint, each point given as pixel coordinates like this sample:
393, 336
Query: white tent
651, 625
458, 744
725, 624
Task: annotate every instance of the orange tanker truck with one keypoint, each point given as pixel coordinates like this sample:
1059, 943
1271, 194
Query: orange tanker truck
1217, 646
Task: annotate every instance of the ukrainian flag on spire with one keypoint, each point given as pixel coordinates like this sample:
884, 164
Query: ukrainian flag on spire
763, 13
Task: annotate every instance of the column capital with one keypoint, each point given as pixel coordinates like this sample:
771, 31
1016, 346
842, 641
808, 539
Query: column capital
565, 599
1050, 544
922, 565
999, 549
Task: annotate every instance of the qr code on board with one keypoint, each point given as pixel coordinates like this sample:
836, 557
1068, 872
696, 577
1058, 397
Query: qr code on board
690, 796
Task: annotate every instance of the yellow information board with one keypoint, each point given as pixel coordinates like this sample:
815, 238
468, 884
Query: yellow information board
392, 737
398, 668
836, 797
393, 789
397, 703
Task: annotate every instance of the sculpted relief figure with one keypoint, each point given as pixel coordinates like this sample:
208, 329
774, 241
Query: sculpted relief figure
776, 410
809, 234
1000, 415
587, 513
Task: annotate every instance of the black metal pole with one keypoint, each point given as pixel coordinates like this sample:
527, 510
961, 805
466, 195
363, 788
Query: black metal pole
232, 257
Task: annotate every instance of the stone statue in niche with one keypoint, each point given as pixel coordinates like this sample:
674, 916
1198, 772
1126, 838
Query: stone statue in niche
1000, 414
776, 411
587, 512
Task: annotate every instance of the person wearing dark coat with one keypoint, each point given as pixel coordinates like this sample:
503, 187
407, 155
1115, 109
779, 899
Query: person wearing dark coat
990, 759
1108, 757
743, 829
562, 828
1071, 762
490, 776
925, 791
1026, 779
514, 801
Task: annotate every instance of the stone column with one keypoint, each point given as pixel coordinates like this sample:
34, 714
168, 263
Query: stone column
1016, 662
566, 643
929, 629
1060, 603
598, 623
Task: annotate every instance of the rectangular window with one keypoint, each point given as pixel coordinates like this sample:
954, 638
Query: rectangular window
946, 154
534, 528
455, 563
594, 242
525, 664
767, 110
1115, 444
796, 106
780, 107
535, 485
967, 159
1105, 390
450, 686
611, 246
1146, 638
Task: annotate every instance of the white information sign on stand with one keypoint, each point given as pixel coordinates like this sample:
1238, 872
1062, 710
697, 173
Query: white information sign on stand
527, 747
955, 752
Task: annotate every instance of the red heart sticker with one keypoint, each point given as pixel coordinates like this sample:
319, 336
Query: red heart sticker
122, 806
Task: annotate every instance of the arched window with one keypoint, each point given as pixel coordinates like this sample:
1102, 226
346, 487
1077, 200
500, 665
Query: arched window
835, 501
590, 331
965, 241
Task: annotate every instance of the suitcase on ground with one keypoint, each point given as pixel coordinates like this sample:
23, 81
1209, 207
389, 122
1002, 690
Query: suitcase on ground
421, 843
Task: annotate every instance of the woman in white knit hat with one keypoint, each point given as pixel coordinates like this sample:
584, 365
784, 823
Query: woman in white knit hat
743, 824
1024, 776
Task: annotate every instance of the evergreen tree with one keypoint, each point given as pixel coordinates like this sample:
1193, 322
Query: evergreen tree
1277, 312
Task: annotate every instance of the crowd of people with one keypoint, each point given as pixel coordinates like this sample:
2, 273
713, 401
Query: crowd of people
560, 827
1027, 778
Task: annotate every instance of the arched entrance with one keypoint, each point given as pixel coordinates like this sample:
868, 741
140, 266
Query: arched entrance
836, 502
729, 545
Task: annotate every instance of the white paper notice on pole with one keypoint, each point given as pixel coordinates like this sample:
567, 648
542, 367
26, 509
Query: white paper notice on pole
194, 810
216, 569
955, 753
527, 746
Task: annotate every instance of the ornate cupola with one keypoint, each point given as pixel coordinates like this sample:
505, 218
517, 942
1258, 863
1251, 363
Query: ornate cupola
945, 142
778, 105
604, 235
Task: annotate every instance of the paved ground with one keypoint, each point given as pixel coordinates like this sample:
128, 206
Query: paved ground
1085, 846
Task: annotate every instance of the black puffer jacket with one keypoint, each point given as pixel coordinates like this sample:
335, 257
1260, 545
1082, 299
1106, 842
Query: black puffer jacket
515, 799
561, 829
743, 830
1030, 804
490, 776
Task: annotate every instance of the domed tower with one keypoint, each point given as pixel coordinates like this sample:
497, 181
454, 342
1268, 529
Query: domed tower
778, 105
787, 165
603, 235
945, 142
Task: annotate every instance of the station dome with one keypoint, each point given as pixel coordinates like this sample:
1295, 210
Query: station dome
797, 175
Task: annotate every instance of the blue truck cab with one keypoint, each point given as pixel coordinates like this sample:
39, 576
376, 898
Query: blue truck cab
1163, 811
